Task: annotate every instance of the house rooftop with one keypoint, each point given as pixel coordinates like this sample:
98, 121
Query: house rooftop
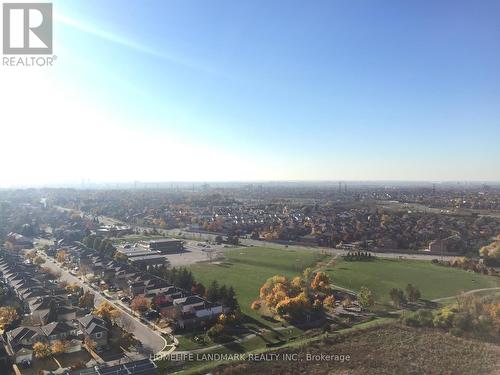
56, 328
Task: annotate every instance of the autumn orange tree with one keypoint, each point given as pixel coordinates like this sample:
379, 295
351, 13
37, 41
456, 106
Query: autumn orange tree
59, 347
491, 251
256, 305
140, 304
7, 316
285, 297
61, 256
274, 290
329, 301
320, 282
107, 312
41, 350
294, 307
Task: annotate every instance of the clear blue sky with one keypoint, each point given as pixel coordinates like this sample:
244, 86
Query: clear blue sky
290, 89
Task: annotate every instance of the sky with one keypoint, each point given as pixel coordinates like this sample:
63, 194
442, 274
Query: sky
254, 90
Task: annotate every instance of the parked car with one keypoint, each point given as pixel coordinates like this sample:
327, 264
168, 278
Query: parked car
152, 315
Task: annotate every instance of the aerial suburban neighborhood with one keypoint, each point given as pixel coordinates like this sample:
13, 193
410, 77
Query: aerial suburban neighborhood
195, 271
250, 187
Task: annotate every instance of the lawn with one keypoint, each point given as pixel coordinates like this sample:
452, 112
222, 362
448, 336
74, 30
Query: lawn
381, 275
246, 269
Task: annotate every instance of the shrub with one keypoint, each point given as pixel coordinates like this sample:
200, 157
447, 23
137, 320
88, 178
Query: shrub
444, 317
419, 318
216, 331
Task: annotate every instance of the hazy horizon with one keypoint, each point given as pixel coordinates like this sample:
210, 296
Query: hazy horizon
89, 185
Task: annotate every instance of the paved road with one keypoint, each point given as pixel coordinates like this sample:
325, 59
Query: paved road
152, 342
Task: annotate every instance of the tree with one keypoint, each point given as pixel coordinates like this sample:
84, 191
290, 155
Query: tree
59, 347
7, 316
73, 289
256, 305
41, 350
107, 312
275, 290
412, 293
397, 297
444, 317
365, 298
491, 251
307, 273
61, 256
140, 304
320, 282
198, 288
216, 331
222, 294
294, 307
298, 284
329, 302
185, 279
230, 300
86, 300
212, 293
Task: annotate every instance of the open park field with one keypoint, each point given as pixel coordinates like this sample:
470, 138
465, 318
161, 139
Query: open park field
246, 269
381, 275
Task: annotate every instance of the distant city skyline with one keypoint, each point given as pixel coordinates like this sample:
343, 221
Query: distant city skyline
258, 91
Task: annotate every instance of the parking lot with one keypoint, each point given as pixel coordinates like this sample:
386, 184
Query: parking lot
194, 252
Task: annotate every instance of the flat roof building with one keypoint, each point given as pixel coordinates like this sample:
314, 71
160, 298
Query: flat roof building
165, 246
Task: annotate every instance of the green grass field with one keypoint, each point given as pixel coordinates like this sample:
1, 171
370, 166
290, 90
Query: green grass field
246, 269
381, 275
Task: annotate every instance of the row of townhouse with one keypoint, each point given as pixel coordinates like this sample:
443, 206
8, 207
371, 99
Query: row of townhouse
19, 341
38, 296
182, 307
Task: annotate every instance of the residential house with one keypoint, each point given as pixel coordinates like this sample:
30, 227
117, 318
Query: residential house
94, 328
19, 343
57, 331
